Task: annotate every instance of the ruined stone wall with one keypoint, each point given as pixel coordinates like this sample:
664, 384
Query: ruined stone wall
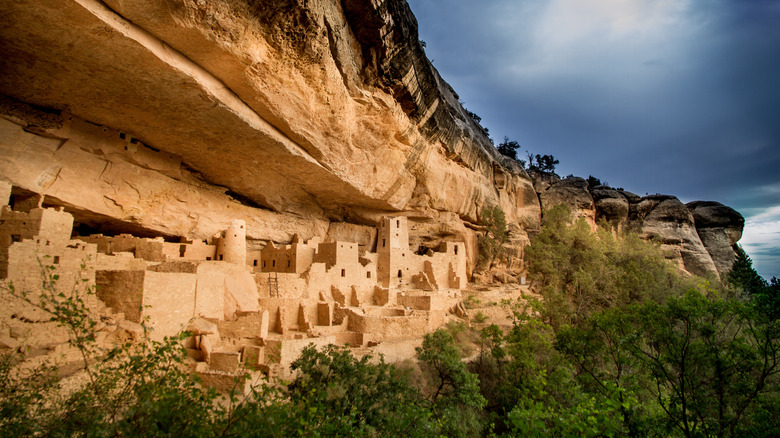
120, 261
223, 289
294, 258
290, 285
383, 328
122, 291
169, 300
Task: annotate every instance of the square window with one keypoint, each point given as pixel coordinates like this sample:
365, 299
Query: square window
56, 260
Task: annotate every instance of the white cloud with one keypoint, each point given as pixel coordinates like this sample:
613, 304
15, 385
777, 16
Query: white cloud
569, 21
761, 239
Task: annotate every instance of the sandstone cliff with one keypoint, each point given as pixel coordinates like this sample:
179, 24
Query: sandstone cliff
316, 118
176, 116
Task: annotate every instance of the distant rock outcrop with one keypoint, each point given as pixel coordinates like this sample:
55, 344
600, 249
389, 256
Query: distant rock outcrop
573, 192
699, 237
667, 220
611, 205
720, 228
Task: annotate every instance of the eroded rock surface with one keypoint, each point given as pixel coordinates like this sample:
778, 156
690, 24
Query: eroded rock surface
307, 113
574, 193
611, 205
667, 220
720, 228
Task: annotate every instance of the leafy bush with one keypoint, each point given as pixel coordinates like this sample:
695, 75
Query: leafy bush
341, 395
132, 389
453, 391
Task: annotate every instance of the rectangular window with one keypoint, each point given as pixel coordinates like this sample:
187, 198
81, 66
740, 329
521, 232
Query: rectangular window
264, 263
221, 256
399, 274
288, 263
16, 238
273, 263
383, 243
254, 262
208, 258
343, 272
56, 260
456, 249
368, 274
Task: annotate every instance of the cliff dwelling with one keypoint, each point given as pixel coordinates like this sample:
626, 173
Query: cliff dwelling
259, 308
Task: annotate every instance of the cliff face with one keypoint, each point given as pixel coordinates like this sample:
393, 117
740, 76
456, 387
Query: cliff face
307, 112
306, 117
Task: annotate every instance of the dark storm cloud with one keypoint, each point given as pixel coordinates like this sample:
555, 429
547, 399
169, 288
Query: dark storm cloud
667, 96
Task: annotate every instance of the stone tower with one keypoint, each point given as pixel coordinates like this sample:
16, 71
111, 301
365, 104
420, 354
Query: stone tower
393, 255
393, 233
232, 247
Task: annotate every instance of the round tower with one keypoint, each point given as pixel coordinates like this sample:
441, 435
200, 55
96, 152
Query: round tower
233, 245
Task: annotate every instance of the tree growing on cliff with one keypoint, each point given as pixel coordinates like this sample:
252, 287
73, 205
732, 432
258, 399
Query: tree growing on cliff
491, 244
508, 148
744, 278
542, 163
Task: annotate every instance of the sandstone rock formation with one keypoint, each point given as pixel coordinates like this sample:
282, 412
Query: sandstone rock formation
574, 193
611, 205
174, 117
305, 113
719, 228
269, 173
667, 220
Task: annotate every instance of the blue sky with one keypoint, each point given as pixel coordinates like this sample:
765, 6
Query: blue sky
677, 97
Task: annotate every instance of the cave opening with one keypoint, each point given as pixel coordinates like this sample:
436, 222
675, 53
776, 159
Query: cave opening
86, 223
